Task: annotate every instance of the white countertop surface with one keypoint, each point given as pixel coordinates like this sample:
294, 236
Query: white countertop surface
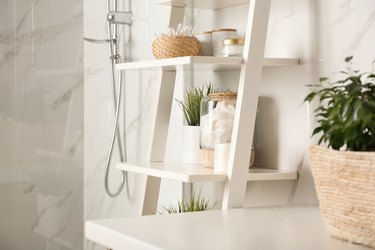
272, 228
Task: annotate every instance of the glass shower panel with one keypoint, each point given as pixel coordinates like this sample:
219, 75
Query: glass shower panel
41, 124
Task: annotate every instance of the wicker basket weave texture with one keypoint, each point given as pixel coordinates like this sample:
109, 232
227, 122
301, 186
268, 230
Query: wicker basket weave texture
345, 183
167, 47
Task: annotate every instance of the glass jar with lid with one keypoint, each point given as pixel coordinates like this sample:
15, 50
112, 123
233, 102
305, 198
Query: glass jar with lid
217, 117
205, 39
233, 47
217, 39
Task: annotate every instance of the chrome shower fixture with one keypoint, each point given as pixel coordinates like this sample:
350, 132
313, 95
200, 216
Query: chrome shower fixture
91, 40
114, 19
120, 17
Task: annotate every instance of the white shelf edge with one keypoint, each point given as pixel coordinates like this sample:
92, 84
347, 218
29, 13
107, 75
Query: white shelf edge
174, 171
268, 174
270, 62
203, 63
191, 173
172, 63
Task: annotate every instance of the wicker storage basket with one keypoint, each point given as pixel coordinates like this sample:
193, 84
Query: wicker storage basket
166, 47
345, 183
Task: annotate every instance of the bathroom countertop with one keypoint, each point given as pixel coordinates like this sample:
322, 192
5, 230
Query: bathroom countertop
271, 228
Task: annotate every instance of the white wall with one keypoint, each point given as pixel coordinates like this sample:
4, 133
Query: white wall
321, 34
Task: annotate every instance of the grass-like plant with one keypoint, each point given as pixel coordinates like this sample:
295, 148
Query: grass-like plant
195, 204
346, 111
191, 103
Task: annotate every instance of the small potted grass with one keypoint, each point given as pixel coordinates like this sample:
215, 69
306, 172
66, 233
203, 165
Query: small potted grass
195, 204
190, 105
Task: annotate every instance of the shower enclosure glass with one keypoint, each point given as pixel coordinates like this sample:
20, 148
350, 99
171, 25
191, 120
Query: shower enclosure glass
41, 124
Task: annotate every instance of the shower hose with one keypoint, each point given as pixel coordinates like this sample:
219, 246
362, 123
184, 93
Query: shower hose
115, 58
113, 41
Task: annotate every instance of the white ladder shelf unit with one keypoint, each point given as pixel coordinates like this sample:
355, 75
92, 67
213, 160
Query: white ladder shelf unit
250, 67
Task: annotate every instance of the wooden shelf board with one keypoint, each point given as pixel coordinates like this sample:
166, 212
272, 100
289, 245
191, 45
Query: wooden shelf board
203, 4
201, 63
269, 174
280, 62
174, 171
196, 173
187, 63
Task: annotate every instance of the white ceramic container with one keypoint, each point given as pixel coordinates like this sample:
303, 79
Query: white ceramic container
190, 147
221, 157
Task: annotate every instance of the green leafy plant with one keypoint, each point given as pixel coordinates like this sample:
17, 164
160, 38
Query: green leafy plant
346, 111
191, 103
195, 204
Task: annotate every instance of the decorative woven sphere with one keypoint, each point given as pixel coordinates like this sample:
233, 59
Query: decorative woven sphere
167, 47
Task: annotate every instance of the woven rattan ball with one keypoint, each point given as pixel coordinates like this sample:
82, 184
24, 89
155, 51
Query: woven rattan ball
167, 47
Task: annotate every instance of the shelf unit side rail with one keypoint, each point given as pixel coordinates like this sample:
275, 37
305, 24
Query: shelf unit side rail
150, 199
247, 100
159, 140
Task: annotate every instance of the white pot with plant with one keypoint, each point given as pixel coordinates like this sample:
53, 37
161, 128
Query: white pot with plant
190, 105
344, 171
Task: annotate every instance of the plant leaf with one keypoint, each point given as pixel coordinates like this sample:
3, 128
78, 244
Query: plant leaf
317, 130
190, 104
348, 59
310, 97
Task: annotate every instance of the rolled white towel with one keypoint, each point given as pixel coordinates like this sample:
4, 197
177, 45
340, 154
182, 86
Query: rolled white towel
217, 125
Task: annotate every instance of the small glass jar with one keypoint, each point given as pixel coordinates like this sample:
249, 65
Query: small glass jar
217, 39
233, 47
217, 116
205, 39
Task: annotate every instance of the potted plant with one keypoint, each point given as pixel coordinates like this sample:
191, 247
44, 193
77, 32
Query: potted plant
194, 204
344, 171
190, 105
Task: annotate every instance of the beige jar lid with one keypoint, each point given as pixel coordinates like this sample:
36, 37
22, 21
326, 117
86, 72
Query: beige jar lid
228, 95
233, 41
224, 30
204, 32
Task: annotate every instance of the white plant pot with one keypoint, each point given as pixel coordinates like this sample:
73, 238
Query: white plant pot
190, 144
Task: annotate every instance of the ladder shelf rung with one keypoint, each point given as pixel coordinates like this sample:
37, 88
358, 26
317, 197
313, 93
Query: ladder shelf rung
196, 173
202, 63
